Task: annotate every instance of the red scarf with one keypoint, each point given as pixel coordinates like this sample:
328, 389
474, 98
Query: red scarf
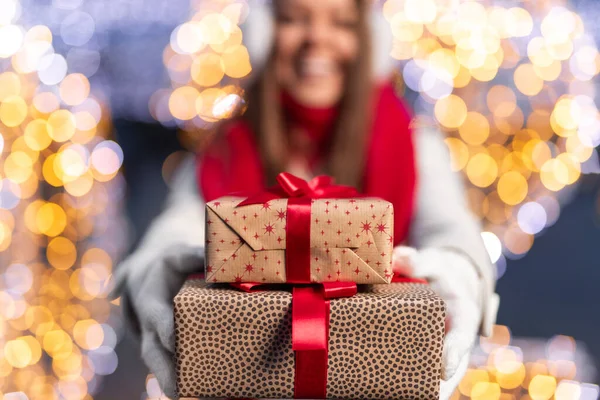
232, 162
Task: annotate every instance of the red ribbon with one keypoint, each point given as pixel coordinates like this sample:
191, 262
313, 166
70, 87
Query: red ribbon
299, 194
310, 332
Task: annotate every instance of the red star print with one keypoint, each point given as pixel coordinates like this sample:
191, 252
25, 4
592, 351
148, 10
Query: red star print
266, 206
269, 229
209, 222
327, 251
335, 206
266, 258
381, 227
245, 229
367, 261
233, 242
357, 270
327, 211
226, 220
348, 240
234, 212
368, 276
338, 232
382, 254
222, 241
279, 239
349, 223
357, 235
348, 263
214, 279
254, 256
352, 201
223, 269
328, 222
327, 202
347, 212
322, 232
218, 250
390, 240
338, 272
316, 258
373, 216
255, 215
217, 203
369, 243
326, 244
372, 206
244, 217
234, 256
209, 268
238, 278
208, 241
256, 236
329, 276
366, 227
344, 251
337, 262
249, 268
318, 269
316, 220
280, 215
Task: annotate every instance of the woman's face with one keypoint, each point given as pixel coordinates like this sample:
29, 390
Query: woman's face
316, 40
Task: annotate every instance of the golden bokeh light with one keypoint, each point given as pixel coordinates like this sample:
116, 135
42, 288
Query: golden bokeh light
49, 209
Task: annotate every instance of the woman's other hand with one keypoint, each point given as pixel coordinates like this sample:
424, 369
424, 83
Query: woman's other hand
147, 291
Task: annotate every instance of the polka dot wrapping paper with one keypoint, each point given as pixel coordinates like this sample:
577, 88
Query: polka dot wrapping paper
385, 342
350, 240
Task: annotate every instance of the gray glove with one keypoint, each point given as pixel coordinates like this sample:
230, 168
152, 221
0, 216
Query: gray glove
147, 291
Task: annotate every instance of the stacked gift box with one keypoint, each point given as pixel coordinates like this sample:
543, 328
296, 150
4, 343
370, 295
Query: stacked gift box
298, 300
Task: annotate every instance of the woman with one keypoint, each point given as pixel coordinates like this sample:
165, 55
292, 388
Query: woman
315, 108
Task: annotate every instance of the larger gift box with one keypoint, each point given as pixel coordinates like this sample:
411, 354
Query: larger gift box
385, 342
328, 231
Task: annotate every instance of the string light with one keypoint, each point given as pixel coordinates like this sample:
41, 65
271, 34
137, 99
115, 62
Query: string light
59, 185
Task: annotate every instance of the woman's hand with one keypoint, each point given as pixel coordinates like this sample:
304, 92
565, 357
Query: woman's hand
453, 277
147, 288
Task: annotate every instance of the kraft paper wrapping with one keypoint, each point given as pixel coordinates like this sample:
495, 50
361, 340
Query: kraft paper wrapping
384, 343
350, 240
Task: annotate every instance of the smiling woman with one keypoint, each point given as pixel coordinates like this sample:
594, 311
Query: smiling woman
319, 104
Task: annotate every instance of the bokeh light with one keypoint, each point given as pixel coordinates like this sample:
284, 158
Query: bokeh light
57, 187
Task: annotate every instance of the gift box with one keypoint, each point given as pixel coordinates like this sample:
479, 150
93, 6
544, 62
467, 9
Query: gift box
299, 232
384, 342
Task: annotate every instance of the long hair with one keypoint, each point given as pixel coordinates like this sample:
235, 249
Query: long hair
347, 155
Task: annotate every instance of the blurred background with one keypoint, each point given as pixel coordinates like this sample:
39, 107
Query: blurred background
100, 100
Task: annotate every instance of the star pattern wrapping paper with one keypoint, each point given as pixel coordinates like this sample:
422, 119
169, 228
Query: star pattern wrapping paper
351, 240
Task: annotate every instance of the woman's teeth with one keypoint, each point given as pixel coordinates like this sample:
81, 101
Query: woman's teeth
316, 67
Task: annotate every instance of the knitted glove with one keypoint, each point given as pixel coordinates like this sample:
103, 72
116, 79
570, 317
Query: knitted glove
147, 293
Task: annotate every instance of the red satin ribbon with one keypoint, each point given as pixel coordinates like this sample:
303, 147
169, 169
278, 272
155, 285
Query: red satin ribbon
299, 194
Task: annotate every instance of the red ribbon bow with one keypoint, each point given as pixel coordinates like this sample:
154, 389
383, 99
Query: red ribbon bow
291, 186
299, 194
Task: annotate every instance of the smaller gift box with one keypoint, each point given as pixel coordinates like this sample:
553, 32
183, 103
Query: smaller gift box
300, 232
383, 342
